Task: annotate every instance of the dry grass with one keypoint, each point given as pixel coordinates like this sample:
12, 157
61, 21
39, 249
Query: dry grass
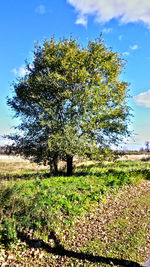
135, 157
13, 164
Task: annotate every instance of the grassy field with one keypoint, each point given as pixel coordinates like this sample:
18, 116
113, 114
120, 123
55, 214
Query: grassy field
98, 217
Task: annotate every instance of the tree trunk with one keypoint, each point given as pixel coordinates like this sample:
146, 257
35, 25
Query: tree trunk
69, 165
54, 165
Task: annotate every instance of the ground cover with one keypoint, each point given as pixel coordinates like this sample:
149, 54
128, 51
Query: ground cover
100, 216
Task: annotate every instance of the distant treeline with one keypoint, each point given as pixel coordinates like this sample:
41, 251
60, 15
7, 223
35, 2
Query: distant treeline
7, 150
10, 150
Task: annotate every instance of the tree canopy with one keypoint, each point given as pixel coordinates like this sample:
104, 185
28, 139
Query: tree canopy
71, 102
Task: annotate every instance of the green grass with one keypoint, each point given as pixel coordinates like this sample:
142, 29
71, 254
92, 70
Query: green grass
31, 200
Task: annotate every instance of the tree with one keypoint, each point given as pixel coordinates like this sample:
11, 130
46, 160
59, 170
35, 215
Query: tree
71, 102
147, 146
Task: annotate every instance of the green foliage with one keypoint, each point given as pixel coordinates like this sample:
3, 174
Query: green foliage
8, 233
71, 101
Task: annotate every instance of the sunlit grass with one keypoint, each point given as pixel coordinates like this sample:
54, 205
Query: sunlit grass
31, 199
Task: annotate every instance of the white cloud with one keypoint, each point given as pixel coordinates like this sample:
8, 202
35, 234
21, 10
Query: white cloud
82, 20
124, 10
20, 71
41, 9
143, 99
107, 30
126, 53
134, 47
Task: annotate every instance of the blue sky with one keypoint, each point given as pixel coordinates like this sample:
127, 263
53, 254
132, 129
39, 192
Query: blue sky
125, 25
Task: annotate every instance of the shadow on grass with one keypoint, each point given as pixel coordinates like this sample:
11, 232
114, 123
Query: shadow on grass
146, 159
82, 171
24, 176
58, 249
